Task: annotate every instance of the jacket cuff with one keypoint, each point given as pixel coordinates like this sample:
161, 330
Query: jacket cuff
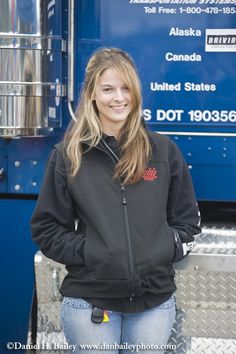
181, 249
178, 249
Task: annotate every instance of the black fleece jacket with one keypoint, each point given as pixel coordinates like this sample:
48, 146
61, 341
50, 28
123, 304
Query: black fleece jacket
127, 237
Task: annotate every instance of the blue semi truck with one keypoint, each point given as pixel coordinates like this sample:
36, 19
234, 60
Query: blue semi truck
185, 52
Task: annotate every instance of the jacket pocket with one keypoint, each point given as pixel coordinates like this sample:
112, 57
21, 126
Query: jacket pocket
160, 249
170, 236
104, 258
94, 252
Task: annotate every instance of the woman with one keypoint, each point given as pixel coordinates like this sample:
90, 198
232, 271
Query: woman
130, 193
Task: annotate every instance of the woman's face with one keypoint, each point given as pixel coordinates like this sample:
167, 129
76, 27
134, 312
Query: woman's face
113, 100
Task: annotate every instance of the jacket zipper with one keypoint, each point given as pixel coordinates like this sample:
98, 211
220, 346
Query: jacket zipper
127, 227
113, 156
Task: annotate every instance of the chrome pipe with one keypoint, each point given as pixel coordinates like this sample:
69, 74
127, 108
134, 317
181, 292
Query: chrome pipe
27, 85
71, 57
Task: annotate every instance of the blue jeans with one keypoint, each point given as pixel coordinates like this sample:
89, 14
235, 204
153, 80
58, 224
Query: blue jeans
123, 333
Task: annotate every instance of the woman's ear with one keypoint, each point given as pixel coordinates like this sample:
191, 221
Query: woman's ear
94, 97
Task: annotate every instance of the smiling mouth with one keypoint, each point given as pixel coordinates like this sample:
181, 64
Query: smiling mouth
119, 108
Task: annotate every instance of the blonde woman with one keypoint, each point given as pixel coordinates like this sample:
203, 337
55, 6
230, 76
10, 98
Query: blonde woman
132, 195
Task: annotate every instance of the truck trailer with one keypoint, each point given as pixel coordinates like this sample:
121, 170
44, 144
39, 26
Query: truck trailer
185, 52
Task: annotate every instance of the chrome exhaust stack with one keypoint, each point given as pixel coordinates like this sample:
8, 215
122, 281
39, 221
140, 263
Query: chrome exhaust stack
30, 68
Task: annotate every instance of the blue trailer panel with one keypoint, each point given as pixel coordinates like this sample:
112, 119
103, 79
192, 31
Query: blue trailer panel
185, 55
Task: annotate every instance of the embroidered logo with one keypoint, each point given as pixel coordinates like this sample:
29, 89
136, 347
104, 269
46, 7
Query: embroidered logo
150, 174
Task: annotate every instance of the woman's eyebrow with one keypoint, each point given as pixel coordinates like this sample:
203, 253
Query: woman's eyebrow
106, 85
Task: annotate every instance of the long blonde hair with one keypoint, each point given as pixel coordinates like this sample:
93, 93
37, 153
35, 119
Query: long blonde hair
135, 145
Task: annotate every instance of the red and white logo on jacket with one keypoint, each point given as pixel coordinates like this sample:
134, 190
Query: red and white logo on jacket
150, 174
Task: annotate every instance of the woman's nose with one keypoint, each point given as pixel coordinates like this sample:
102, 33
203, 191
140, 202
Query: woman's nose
119, 95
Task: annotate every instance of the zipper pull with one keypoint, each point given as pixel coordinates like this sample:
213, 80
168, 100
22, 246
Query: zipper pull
131, 297
124, 201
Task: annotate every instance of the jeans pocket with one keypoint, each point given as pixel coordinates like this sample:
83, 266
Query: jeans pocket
76, 303
74, 313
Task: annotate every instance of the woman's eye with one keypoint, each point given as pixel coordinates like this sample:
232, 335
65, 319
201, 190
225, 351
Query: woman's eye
126, 89
107, 89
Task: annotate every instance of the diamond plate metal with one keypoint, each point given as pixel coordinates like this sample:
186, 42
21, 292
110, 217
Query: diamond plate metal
205, 298
209, 300
49, 276
217, 240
